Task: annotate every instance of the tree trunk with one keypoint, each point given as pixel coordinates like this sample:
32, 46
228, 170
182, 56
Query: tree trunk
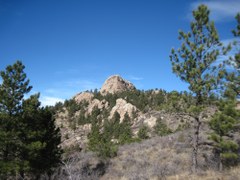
220, 165
195, 144
21, 173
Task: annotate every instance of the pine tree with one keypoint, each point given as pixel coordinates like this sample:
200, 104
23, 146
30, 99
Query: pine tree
143, 132
161, 128
126, 134
94, 137
194, 62
99, 139
40, 138
29, 139
223, 124
12, 91
233, 77
14, 87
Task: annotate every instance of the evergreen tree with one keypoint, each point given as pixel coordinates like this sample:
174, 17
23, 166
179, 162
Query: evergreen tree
223, 124
12, 91
99, 139
14, 87
125, 130
161, 128
105, 138
143, 132
40, 138
115, 125
94, 137
194, 62
233, 77
28, 139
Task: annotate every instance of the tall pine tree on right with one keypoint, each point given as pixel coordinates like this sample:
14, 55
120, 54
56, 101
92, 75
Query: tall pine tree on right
196, 63
226, 121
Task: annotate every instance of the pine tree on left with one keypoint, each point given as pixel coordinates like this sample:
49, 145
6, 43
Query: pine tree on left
29, 140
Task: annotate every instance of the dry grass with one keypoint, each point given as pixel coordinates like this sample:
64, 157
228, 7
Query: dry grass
156, 158
232, 174
79, 166
167, 158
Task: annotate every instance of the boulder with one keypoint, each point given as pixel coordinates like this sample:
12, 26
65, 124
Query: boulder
97, 103
83, 96
116, 84
123, 107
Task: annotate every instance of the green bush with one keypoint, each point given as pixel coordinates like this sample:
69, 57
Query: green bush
143, 132
101, 136
223, 125
161, 129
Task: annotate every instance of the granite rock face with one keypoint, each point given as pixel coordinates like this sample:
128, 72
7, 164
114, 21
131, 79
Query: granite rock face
123, 107
83, 96
116, 84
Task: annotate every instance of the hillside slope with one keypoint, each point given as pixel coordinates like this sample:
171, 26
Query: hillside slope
161, 130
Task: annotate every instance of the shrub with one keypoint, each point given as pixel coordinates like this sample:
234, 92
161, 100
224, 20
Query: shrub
161, 128
143, 132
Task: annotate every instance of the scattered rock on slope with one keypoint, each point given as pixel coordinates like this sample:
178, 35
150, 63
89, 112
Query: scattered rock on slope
116, 84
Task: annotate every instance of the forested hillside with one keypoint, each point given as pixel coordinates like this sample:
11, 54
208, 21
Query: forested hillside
121, 132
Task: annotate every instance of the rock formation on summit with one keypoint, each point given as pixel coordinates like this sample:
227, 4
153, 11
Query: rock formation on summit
116, 84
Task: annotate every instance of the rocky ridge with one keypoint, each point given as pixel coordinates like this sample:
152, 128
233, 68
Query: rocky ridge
76, 134
169, 154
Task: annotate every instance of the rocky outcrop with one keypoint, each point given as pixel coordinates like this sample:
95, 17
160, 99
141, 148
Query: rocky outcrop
75, 134
123, 107
116, 84
71, 137
75, 138
172, 120
97, 103
83, 96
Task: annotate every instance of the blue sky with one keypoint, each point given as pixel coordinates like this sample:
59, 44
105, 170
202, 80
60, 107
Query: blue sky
72, 46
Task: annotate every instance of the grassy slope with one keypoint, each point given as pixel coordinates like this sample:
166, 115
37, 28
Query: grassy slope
166, 157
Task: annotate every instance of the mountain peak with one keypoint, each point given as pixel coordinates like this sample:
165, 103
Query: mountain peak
116, 83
